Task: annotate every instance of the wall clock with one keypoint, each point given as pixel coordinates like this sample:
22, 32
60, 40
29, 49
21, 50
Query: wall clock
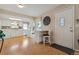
46, 20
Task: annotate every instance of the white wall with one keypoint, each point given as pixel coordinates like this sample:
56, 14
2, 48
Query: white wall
51, 27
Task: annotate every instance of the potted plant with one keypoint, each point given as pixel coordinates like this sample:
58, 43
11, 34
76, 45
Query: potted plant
2, 35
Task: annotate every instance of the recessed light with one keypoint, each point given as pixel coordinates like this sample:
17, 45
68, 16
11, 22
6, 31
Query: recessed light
20, 5
14, 19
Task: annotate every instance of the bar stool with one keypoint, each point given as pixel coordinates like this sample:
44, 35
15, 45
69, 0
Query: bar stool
46, 39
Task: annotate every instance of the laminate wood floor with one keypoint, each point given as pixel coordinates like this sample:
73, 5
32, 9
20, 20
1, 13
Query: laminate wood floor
25, 46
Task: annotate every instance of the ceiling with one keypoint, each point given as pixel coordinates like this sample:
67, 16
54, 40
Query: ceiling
29, 9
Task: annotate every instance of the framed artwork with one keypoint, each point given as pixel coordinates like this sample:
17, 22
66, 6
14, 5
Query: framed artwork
62, 21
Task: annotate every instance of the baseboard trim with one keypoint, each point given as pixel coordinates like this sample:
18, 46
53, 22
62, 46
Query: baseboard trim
63, 49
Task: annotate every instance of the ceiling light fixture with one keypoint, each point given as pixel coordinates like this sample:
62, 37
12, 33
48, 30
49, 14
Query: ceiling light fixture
14, 19
20, 5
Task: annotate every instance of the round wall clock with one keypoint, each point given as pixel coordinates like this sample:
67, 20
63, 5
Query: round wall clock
46, 20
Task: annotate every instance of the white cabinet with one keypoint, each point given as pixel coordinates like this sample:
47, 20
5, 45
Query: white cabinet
36, 37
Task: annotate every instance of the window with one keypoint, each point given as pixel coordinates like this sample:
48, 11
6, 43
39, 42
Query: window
39, 26
61, 21
25, 26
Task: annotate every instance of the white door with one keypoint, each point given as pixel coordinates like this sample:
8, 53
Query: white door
64, 33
